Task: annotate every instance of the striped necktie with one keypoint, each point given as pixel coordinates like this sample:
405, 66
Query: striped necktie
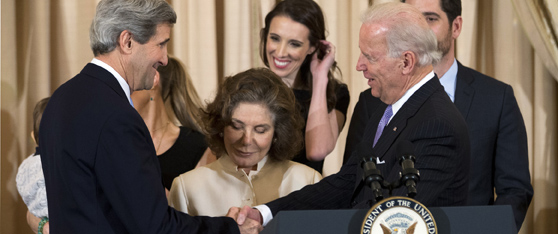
383, 122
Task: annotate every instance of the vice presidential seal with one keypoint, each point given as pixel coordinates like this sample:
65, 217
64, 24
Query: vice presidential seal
399, 215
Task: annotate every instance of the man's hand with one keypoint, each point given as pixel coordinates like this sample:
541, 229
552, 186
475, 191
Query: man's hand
249, 220
250, 226
240, 214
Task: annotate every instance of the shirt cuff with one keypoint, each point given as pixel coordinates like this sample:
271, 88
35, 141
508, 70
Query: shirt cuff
266, 214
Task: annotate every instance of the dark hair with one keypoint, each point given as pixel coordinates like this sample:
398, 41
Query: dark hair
309, 14
261, 86
177, 88
452, 8
140, 17
37, 116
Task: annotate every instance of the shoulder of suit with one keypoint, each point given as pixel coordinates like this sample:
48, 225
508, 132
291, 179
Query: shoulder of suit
484, 80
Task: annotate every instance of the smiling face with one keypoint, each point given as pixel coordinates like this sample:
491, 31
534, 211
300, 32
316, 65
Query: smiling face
287, 46
249, 136
145, 59
383, 72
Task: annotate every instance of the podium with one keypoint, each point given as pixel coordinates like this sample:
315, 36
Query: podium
449, 220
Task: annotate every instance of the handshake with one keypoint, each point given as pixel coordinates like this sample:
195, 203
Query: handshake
249, 219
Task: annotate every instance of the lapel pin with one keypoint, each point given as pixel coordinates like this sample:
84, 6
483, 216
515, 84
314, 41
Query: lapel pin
394, 129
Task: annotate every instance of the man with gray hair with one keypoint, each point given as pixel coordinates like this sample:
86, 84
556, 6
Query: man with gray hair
499, 152
397, 52
99, 162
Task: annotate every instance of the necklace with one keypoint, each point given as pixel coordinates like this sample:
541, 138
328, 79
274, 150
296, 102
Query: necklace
162, 136
161, 127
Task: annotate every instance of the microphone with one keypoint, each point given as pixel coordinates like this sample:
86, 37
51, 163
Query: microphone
410, 176
372, 176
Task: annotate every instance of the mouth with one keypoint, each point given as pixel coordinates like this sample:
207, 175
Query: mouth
370, 81
280, 63
243, 153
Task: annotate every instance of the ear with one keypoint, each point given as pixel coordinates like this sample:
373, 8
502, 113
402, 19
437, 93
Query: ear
456, 27
156, 79
408, 60
125, 41
311, 50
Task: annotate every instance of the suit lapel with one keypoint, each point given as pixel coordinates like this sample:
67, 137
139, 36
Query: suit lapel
395, 126
408, 110
368, 138
464, 93
105, 76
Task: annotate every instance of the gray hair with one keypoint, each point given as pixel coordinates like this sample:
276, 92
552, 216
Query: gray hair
140, 17
408, 31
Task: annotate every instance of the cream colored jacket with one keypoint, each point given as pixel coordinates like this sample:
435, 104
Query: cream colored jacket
212, 189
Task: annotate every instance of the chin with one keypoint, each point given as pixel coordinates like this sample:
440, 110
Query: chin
280, 72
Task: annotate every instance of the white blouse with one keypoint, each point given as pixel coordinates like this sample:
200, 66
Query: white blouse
212, 189
30, 183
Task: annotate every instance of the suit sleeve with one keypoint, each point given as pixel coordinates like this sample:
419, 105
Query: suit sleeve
332, 192
511, 174
129, 177
443, 161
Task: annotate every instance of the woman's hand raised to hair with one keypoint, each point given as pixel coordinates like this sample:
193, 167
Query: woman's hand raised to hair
320, 68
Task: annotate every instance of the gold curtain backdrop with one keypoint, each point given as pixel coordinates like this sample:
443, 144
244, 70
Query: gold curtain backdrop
46, 42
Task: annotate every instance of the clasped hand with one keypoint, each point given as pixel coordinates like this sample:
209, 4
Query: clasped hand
249, 220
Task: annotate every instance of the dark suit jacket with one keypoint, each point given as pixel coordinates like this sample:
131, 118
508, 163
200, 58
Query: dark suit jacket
439, 135
498, 139
100, 166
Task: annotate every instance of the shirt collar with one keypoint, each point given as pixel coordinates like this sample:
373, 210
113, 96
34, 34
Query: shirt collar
449, 79
228, 164
119, 78
397, 105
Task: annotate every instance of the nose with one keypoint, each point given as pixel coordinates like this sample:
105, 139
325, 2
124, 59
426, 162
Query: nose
247, 138
360, 63
281, 50
165, 60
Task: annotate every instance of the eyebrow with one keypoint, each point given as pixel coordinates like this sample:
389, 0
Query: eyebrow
165, 42
236, 120
430, 13
291, 40
259, 125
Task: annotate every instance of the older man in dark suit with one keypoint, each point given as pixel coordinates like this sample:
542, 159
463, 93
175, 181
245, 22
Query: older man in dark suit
397, 52
100, 166
499, 161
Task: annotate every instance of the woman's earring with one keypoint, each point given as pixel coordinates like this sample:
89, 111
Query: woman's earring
221, 134
151, 99
274, 140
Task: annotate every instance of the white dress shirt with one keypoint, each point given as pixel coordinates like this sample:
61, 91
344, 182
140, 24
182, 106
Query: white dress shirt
449, 80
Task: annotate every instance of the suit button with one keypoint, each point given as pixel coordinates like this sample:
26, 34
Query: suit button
354, 203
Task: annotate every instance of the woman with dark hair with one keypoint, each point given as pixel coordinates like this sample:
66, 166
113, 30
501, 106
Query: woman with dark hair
293, 45
254, 129
171, 111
